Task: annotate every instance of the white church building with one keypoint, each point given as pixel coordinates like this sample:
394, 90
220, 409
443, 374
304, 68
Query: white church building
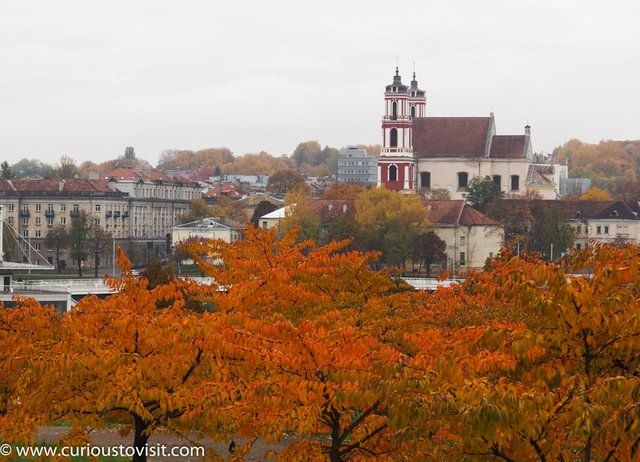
420, 153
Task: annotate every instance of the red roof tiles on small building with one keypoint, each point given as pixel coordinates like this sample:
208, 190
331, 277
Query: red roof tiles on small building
227, 189
457, 213
329, 210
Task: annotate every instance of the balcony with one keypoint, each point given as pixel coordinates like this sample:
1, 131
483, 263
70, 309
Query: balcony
116, 214
49, 213
125, 215
108, 214
74, 213
25, 213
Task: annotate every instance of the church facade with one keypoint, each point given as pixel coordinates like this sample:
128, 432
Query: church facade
421, 153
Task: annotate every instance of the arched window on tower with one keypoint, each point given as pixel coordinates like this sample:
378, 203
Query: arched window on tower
394, 110
393, 173
393, 138
413, 111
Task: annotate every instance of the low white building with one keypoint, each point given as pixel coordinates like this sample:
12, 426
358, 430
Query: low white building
606, 222
209, 228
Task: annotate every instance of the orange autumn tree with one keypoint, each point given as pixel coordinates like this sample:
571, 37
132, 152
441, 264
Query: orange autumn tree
319, 320
139, 356
530, 363
27, 333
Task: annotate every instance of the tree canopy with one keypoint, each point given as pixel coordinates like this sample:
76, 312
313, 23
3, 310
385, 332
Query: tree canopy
481, 191
529, 360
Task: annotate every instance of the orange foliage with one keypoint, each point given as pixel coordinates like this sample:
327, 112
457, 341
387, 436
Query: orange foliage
525, 361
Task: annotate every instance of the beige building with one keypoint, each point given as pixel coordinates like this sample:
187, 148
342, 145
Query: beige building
470, 236
137, 210
421, 152
606, 222
209, 228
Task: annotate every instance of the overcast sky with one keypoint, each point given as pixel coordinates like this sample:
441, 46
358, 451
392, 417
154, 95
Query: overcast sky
87, 78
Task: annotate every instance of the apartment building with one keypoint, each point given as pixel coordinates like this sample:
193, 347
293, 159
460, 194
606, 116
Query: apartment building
138, 210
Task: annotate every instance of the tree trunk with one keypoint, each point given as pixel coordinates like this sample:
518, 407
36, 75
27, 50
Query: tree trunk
80, 269
97, 264
140, 439
334, 452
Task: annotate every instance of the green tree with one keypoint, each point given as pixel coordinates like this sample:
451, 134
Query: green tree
57, 239
481, 191
99, 242
389, 222
552, 235
428, 249
32, 168
79, 235
5, 170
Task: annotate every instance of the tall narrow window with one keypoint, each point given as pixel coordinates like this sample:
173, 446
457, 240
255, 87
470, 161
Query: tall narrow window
463, 178
497, 180
413, 111
515, 183
393, 141
393, 173
394, 110
425, 179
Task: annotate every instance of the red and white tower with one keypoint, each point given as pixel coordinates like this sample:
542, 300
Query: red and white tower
396, 164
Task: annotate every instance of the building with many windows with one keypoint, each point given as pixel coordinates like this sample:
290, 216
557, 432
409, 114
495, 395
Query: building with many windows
422, 153
356, 166
138, 211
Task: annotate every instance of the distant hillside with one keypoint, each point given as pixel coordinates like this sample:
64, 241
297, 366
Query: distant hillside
612, 165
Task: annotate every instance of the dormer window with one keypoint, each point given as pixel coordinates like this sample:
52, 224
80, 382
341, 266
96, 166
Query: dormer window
394, 89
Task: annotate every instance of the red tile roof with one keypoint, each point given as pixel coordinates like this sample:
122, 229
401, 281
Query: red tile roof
584, 210
508, 147
451, 136
129, 174
159, 176
329, 210
227, 189
123, 173
456, 212
80, 185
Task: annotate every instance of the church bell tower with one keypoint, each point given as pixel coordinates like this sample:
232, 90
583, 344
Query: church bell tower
396, 164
